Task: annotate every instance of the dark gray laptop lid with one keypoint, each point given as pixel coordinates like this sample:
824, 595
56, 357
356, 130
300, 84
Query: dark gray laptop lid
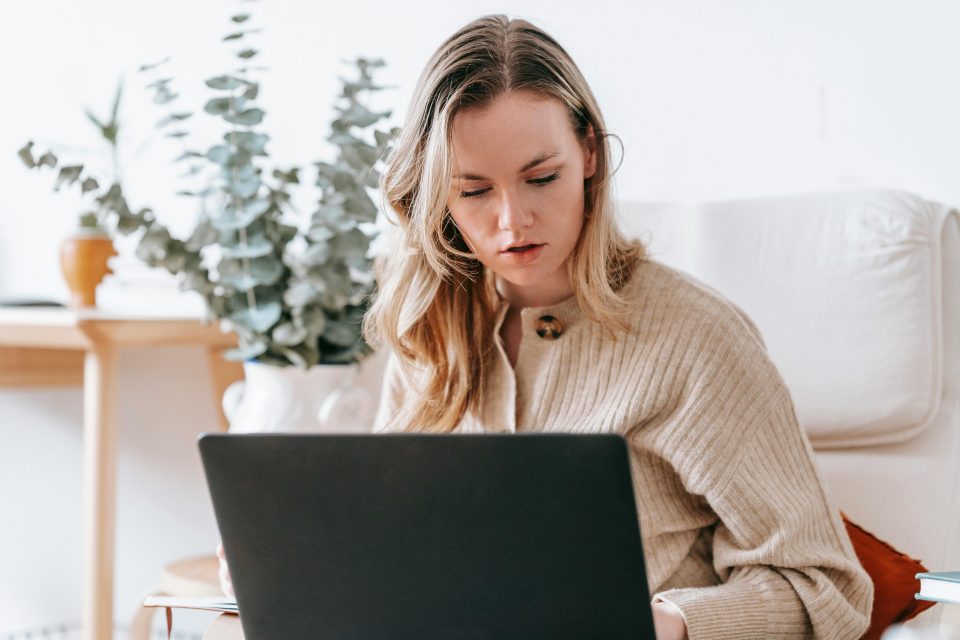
420, 536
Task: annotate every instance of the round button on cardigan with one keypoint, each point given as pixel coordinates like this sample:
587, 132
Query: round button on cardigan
549, 328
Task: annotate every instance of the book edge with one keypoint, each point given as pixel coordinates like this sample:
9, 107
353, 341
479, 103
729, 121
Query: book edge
943, 576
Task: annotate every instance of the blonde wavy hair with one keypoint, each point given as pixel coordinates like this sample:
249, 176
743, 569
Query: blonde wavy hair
436, 302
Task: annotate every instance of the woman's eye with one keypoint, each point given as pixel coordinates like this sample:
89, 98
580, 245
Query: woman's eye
537, 182
540, 182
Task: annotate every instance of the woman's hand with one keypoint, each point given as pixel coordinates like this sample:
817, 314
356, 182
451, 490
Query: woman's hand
226, 584
668, 622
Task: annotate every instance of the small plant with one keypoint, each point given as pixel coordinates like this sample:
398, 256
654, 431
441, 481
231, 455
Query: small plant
95, 219
293, 297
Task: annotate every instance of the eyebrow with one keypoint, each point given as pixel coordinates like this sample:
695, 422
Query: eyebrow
538, 159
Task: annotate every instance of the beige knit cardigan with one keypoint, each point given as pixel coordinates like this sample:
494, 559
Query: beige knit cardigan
739, 530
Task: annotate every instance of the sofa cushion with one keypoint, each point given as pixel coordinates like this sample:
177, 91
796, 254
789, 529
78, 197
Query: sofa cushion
846, 290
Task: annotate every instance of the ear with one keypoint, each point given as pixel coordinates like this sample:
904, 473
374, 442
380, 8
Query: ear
589, 153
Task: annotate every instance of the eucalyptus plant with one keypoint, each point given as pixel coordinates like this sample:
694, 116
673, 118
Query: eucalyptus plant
293, 297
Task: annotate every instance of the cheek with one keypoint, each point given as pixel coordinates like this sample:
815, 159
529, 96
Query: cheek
569, 201
472, 232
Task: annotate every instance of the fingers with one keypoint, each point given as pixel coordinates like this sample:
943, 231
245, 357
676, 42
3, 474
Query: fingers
226, 582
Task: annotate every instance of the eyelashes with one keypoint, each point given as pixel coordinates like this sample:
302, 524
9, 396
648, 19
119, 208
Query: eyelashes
538, 182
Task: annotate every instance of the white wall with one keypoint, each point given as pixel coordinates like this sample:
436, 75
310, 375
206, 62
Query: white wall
712, 99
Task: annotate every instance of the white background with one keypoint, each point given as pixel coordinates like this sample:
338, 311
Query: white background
712, 99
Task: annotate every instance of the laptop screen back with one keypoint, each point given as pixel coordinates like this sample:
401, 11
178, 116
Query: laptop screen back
430, 536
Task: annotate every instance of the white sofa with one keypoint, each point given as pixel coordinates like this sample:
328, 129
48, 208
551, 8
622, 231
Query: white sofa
857, 294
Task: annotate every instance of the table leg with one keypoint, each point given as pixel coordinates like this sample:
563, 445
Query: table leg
99, 488
223, 373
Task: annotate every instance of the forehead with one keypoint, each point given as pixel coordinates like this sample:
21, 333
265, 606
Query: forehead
509, 131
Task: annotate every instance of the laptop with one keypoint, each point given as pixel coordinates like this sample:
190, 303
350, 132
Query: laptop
429, 536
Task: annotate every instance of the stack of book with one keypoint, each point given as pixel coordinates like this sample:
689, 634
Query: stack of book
942, 586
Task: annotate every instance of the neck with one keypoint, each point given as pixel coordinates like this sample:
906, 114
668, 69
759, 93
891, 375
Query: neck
552, 290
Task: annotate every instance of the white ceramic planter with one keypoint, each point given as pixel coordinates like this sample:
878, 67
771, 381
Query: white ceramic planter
324, 399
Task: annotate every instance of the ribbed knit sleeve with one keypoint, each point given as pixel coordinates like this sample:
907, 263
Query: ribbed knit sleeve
787, 567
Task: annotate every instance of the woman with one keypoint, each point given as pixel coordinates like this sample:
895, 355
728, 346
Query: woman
511, 302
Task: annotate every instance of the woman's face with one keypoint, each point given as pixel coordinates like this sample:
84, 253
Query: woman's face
518, 180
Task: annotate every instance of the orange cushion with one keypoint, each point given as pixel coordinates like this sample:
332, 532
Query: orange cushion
894, 581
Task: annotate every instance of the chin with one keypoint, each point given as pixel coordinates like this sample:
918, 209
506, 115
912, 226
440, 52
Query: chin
523, 277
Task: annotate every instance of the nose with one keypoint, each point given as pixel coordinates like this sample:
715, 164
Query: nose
513, 213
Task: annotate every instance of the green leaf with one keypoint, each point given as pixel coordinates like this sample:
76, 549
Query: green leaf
252, 142
295, 358
176, 134
186, 155
26, 156
320, 233
246, 54
288, 177
203, 234
244, 274
233, 36
382, 139
160, 83
152, 246
372, 179
226, 83
89, 185
224, 105
127, 224
311, 317
151, 66
240, 18
361, 206
253, 249
364, 63
219, 154
234, 218
300, 294
173, 117
245, 188
249, 117
196, 281
47, 159
116, 103
192, 171
89, 220
68, 174
341, 333
251, 91
330, 278
359, 116
285, 233
349, 244
259, 319
246, 351
92, 118
164, 97
316, 254
288, 334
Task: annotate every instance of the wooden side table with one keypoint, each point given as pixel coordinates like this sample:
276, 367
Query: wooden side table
45, 347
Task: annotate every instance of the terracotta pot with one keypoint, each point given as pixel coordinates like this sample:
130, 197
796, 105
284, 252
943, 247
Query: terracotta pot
83, 260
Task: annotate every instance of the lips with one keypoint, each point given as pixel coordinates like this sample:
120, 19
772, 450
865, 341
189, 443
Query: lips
522, 254
520, 248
